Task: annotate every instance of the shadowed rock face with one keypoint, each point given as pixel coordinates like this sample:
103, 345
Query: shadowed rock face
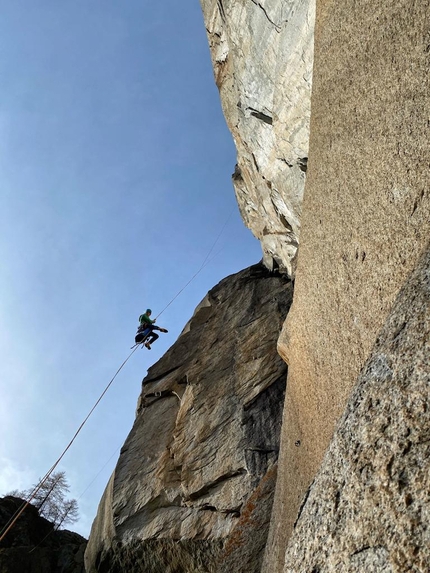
262, 54
206, 434
33, 545
369, 507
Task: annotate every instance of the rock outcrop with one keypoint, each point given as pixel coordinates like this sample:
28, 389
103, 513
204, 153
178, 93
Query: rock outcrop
33, 545
365, 221
368, 509
196, 473
262, 53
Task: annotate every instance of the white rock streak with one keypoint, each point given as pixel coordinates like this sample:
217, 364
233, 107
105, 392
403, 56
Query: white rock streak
262, 54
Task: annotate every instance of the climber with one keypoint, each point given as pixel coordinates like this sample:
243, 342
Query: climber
145, 320
145, 332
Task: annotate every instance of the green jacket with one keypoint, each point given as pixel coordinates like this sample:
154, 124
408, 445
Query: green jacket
144, 319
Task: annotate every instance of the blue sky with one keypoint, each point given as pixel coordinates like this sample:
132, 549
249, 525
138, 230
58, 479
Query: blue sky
115, 166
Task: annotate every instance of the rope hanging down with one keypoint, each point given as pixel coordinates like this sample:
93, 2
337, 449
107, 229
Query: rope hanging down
19, 511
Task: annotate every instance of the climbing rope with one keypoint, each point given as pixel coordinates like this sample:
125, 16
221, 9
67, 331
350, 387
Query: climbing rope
202, 266
20, 510
85, 490
98, 473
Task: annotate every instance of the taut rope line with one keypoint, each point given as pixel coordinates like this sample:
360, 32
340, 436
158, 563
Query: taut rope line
19, 511
202, 266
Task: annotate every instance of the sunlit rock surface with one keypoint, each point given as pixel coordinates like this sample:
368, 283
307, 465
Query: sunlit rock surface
262, 53
369, 507
365, 222
34, 546
205, 436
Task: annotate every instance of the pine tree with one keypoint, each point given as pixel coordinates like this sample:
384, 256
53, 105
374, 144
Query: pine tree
51, 501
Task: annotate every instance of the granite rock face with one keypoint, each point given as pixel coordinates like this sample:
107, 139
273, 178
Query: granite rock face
365, 222
262, 54
206, 434
33, 545
369, 507
244, 549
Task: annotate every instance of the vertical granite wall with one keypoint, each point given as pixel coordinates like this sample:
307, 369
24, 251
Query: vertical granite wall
365, 221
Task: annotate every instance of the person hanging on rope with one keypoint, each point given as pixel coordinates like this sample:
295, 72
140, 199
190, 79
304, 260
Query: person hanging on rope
145, 332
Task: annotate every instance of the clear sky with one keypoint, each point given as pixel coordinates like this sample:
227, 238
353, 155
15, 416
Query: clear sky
115, 180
